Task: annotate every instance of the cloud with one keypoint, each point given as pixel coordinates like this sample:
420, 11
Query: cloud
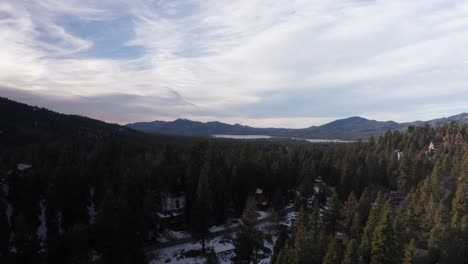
295, 63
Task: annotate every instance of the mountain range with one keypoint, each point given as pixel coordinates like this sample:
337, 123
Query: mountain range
351, 128
21, 123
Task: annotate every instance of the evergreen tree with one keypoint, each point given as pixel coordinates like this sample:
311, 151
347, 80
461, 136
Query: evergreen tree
316, 236
349, 210
314, 219
332, 214
279, 245
382, 240
24, 241
460, 201
410, 253
366, 238
203, 207
440, 230
351, 255
356, 227
334, 253
4, 232
286, 256
212, 258
307, 175
399, 236
249, 239
364, 207
302, 240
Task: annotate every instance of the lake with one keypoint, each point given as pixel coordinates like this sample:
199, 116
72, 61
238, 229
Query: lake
242, 136
312, 140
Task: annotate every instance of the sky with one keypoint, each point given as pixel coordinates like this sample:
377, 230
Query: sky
280, 63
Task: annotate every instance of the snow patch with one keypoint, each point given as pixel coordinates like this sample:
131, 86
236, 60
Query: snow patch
177, 234
262, 215
23, 167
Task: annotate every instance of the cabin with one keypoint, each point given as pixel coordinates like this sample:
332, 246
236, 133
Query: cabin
395, 198
399, 154
261, 199
23, 167
458, 139
431, 149
20, 170
171, 214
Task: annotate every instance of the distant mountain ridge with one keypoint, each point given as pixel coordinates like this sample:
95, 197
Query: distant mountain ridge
351, 128
21, 124
190, 128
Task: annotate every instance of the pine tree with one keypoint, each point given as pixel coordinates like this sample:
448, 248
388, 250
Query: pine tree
364, 207
203, 207
440, 230
249, 239
332, 214
356, 227
460, 202
365, 250
279, 245
316, 236
334, 253
307, 180
314, 219
349, 210
212, 258
4, 232
286, 256
25, 241
410, 253
366, 238
382, 243
301, 239
351, 255
399, 236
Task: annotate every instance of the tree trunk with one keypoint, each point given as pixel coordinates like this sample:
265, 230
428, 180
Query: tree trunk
203, 242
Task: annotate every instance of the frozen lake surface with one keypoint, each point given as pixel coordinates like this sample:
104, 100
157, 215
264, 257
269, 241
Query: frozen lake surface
312, 140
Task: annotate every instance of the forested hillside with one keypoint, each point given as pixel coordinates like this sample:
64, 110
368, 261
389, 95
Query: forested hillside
96, 198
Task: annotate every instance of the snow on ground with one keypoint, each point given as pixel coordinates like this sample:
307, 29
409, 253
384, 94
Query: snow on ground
177, 234
262, 215
289, 219
220, 228
316, 189
216, 228
188, 253
223, 245
269, 244
161, 239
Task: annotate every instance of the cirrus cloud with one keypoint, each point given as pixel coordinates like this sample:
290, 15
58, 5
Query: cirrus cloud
282, 63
